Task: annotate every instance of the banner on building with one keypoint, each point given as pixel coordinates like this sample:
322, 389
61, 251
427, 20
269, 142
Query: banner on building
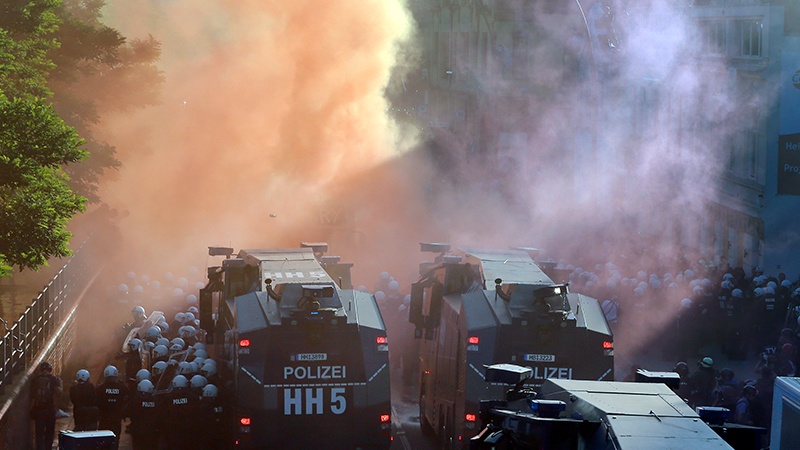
790, 93
789, 164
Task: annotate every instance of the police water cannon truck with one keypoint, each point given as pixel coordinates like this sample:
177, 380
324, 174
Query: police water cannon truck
308, 356
589, 415
473, 308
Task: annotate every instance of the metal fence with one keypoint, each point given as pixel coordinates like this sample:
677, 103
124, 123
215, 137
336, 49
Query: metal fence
24, 340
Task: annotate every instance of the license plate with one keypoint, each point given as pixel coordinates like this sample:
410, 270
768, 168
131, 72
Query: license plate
311, 357
536, 357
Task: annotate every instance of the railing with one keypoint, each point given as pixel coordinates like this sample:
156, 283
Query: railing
22, 342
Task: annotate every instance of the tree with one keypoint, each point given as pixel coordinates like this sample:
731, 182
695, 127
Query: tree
35, 143
98, 70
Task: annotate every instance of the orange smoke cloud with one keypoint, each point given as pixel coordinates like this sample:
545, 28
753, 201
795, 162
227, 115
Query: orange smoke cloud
267, 105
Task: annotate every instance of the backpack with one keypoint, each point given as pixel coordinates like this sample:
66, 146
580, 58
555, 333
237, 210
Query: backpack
41, 393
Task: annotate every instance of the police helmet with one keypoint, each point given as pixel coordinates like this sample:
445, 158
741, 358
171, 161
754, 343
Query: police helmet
156, 285
177, 293
149, 346
738, 293
110, 371
210, 362
123, 288
159, 367
681, 367
138, 289
199, 361
153, 333
201, 353
180, 381
385, 276
758, 292
198, 381
191, 300
380, 296
184, 368
138, 312
199, 285
163, 326
183, 282
706, 362
362, 288
145, 387
179, 317
210, 391
189, 331
195, 366
208, 370
686, 303
82, 376
199, 346
175, 347
772, 284
163, 341
786, 283
178, 341
193, 310
394, 285
189, 317
135, 344
131, 275
142, 374
160, 351
728, 276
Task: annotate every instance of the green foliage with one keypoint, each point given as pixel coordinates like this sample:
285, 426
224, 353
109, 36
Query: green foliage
34, 219
32, 136
60, 70
35, 143
97, 71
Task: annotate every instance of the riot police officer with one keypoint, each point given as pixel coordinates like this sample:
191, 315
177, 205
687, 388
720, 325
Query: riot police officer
145, 417
215, 419
84, 402
111, 397
182, 416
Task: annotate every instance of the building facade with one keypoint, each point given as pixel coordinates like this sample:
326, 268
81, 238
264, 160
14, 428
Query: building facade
729, 97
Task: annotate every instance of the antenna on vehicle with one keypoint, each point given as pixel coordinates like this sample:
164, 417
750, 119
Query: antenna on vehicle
499, 292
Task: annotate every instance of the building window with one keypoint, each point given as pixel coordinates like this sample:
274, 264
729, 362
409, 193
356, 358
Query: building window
713, 37
748, 37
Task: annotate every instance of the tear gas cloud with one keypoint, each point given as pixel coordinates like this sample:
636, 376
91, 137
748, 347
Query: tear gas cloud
266, 105
272, 109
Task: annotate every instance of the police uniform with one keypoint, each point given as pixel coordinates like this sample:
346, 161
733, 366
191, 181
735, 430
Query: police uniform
133, 363
84, 405
111, 397
145, 412
215, 422
183, 426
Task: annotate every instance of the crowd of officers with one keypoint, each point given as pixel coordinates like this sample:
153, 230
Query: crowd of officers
745, 317
742, 315
169, 388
